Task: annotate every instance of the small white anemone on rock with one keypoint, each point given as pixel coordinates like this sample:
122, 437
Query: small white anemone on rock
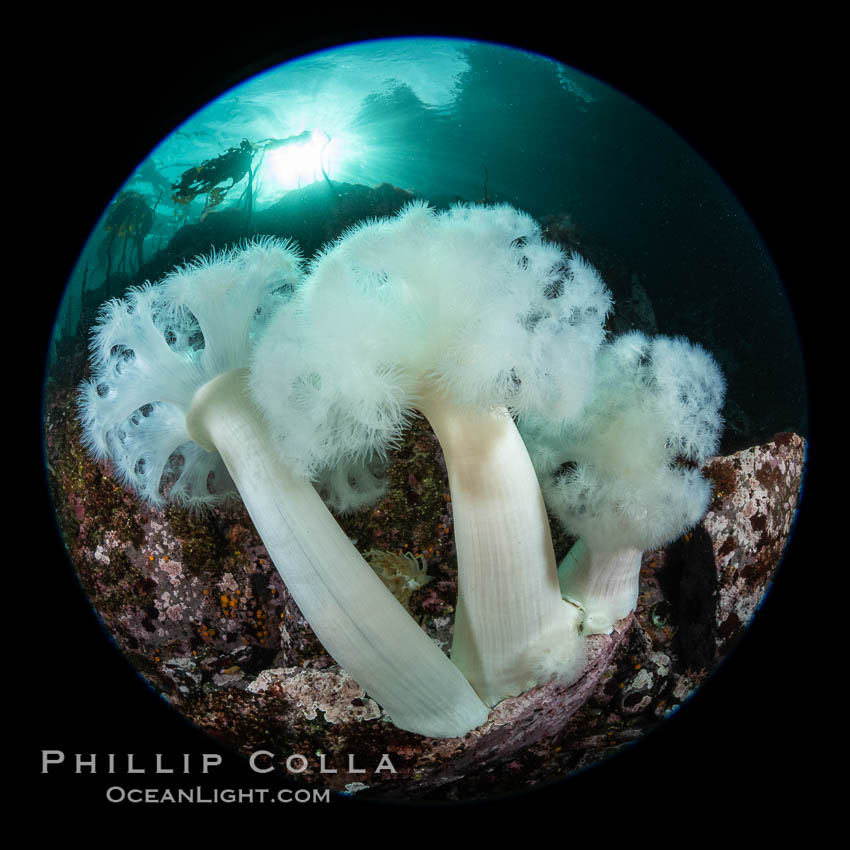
626, 477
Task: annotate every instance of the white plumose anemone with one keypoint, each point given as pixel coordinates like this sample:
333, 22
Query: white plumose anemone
626, 476
167, 404
464, 316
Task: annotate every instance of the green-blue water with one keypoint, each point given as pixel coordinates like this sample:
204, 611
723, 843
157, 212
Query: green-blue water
453, 120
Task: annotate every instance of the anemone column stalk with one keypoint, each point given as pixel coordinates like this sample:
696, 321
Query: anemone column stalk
512, 629
353, 614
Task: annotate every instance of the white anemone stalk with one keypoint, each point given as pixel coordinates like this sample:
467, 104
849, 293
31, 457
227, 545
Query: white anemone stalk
626, 477
467, 317
168, 405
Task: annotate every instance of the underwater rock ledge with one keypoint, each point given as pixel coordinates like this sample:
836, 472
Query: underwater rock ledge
197, 607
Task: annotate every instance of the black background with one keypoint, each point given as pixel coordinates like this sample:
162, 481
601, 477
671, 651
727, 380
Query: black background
99, 93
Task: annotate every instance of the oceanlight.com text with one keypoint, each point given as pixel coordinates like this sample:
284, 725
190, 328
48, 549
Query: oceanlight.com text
118, 794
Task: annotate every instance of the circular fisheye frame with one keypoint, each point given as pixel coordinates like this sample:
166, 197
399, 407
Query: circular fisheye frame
408, 425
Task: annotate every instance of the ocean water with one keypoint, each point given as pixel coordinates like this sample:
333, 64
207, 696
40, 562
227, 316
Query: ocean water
450, 120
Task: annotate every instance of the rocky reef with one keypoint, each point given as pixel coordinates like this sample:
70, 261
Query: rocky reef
196, 606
